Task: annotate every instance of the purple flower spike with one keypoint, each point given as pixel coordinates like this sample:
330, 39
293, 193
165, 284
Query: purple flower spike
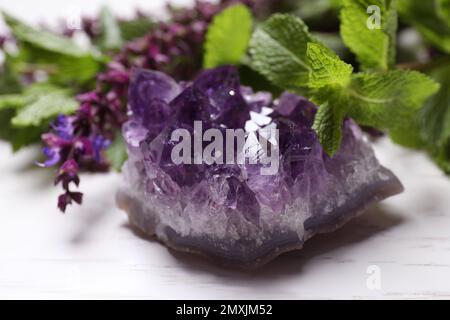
77, 152
67, 174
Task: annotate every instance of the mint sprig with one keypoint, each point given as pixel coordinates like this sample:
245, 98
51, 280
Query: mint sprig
285, 52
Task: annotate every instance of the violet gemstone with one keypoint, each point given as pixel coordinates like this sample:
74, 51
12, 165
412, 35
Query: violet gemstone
231, 212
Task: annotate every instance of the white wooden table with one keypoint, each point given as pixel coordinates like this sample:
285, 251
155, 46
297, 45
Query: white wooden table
90, 252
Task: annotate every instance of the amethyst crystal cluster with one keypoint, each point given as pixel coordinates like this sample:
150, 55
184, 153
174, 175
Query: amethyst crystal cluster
230, 211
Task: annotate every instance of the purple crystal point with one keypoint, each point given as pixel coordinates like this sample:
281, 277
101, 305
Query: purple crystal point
147, 87
230, 210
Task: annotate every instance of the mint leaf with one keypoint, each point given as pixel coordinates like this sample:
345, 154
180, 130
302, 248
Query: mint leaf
424, 16
374, 48
224, 45
12, 101
434, 118
42, 39
278, 51
29, 95
328, 126
24, 116
61, 69
443, 10
111, 37
408, 134
48, 103
117, 153
9, 79
387, 100
326, 67
18, 137
64, 61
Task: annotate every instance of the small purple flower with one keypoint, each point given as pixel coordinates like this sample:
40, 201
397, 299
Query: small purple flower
99, 143
63, 127
53, 157
68, 173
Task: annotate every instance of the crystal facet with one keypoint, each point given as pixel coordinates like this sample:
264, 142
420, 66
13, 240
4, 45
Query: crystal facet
230, 211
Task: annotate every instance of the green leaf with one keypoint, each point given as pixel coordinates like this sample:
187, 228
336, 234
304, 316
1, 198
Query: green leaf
286, 54
29, 95
23, 117
374, 48
9, 79
443, 10
61, 69
64, 61
42, 39
278, 50
49, 103
227, 37
136, 28
18, 137
435, 118
332, 41
117, 153
387, 100
111, 37
12, 101
326, 67
328, 126
430, 22
408, 135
